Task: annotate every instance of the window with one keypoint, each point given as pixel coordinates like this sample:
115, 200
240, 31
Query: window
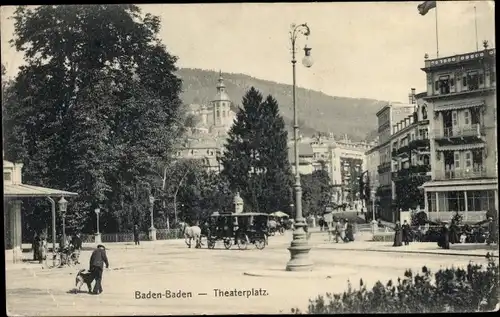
454, 118
444, 84
457, 160
424, 112
431, 202
7, 176
473, 80
468, 159
480, 200
454, 201
467, 117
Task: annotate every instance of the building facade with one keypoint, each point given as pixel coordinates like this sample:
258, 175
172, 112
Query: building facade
461, 96
410, 154
387, 117
206, 140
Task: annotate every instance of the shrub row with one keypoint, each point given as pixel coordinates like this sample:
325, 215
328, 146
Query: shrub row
473, 289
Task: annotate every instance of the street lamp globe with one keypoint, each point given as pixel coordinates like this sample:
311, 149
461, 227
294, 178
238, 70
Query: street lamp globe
151, 199
97, 211
307, 61
63, 205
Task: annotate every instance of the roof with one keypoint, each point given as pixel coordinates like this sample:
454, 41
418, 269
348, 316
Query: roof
23, 190
221, 96
305, 150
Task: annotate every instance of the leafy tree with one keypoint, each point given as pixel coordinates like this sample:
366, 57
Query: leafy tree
97, 107
256, 158
316, 192
408, 194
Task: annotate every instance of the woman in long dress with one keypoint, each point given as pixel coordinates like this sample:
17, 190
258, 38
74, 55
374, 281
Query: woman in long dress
398, 235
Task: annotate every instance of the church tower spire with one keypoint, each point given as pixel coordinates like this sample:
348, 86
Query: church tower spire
220, 86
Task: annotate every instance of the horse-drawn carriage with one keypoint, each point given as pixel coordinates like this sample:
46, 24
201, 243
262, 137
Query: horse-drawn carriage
240, 229
278, 222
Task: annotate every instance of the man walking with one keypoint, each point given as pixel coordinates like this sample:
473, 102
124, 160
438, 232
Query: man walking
136, 235
97, 261
338, 230
406, 233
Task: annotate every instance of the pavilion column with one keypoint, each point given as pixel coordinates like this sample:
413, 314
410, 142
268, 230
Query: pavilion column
466, 206
437, 204
15, 229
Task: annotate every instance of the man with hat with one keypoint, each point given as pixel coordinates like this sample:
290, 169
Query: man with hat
97, 261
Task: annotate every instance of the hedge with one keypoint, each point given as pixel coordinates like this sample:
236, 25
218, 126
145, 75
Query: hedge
473, 289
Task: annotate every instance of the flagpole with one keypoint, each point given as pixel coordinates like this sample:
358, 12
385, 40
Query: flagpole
475, 23
437, 36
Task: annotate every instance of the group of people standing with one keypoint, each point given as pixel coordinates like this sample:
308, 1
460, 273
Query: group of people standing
402, 234
342, 229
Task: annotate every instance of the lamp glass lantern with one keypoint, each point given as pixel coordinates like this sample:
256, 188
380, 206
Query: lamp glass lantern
97, 211
63, 205
307, 61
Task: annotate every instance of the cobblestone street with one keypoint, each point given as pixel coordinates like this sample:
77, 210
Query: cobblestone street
170, 265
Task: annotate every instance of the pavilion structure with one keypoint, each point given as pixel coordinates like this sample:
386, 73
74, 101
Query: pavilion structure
14, 191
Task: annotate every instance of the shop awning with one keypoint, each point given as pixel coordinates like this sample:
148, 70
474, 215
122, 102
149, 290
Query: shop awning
462, 105
460, 147
23, 190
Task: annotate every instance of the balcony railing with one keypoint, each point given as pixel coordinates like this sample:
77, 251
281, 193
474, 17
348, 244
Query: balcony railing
384, 167
477, 171
454, 132
419, 143
412, 171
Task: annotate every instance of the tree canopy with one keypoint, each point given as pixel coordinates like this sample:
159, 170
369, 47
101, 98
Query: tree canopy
256, 157
96, 107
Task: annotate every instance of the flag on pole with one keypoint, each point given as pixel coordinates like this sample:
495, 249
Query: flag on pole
424, 7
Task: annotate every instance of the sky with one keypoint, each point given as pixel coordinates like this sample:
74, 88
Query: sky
360, 50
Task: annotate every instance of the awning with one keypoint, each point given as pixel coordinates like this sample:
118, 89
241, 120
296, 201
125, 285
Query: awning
23, 190
460, 147
462, 105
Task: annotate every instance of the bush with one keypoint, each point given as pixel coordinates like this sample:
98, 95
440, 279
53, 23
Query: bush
452, 290
383, 237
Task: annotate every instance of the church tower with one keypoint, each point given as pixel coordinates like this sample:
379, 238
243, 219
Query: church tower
221, 106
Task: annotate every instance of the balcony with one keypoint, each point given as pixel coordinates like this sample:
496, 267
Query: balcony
474, 130
412, 171
384, 167
419, 144
477, 171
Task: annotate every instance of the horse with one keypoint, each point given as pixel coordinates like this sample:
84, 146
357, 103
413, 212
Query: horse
190, 233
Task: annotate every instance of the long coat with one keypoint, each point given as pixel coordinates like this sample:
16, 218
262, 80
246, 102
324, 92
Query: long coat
444, 240
398, 236
406, 232
349, 232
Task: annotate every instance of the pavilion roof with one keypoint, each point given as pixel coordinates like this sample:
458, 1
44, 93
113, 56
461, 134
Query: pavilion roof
23, 190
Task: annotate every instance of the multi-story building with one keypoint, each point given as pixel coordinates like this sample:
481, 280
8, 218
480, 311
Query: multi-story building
387, 116
342, 158
410, 152
461, 97
206, 140
372, 163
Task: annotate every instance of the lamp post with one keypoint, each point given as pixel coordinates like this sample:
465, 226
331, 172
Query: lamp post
98, 234
63, 206
152, 229
299, 247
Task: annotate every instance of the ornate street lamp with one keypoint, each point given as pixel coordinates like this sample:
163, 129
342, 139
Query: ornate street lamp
98, 234
299, 248
152, 229
63, 206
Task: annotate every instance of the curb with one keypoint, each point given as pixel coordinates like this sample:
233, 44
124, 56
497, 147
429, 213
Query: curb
411, 251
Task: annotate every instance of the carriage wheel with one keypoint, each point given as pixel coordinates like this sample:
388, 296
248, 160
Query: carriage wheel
228, 243
260, 243
242, 242
211, 243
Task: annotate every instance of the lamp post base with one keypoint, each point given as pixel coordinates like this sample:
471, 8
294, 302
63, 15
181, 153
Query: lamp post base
299, 251
152, 234
98, 238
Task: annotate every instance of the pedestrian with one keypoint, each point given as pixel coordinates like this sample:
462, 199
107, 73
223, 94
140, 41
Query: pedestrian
342, 230
398, 235
492, 231
76, 242
136, 235
406, 232
444, 239
97, 261
338, 230
349, 231
36, 247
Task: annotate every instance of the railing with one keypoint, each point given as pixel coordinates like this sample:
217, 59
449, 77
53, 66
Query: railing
419, 143
412, 170
477, 171
161, 234
453, 132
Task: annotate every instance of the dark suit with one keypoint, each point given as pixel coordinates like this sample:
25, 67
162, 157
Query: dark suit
97, 261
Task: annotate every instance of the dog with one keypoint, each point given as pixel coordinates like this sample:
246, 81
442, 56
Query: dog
83, 278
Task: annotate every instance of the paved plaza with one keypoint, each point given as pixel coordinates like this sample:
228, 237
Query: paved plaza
164, 266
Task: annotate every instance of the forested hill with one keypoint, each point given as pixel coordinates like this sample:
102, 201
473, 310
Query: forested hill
322, 113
